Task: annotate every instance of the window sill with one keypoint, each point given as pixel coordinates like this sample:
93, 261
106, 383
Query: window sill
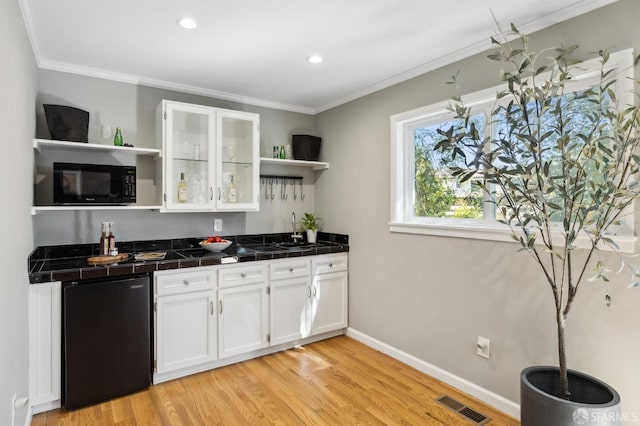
626, 244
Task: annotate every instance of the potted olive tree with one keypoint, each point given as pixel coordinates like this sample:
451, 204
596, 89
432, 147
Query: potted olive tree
561, 169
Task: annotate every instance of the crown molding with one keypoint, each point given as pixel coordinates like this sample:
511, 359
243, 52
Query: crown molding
576, 9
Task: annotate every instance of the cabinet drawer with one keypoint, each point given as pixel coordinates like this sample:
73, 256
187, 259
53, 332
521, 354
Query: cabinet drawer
280, 270
233, 276
184, 281
328, 263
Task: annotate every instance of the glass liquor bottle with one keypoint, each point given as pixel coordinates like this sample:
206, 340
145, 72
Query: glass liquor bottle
182, 189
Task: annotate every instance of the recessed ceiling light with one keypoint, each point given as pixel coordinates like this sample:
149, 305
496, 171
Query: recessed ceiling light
314, 59
187, 23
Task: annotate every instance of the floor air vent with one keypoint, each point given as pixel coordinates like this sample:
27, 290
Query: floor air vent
463, 410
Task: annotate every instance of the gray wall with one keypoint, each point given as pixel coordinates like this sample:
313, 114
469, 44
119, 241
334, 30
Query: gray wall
432, 296
132, 108
18, 83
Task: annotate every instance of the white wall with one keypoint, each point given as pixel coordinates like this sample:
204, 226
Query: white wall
431, 296
132, 108
18, 83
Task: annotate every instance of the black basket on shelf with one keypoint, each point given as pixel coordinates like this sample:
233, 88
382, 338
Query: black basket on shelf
67, 123
306, 147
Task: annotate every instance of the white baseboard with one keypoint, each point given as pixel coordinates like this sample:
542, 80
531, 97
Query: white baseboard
484, 395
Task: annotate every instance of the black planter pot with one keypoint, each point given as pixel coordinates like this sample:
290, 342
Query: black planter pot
592, 401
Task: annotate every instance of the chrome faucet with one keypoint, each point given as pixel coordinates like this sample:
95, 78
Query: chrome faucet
295, 234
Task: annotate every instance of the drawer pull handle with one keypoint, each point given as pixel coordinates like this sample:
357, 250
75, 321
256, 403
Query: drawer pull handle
221, 307
243, 275
185, 282
290, 269
315, 291
211, 305
309, 291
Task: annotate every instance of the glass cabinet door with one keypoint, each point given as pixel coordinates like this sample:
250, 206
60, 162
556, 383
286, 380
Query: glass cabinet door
238, 165
188, 147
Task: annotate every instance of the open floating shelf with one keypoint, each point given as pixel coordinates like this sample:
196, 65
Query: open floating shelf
314, 165
40, 144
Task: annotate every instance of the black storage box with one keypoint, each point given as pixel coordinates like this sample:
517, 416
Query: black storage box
306, 147
67, 123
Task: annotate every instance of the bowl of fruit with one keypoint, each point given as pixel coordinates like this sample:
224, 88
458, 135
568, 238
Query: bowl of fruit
214, 244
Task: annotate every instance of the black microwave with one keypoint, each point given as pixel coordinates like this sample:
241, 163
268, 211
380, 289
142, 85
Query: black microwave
98, 184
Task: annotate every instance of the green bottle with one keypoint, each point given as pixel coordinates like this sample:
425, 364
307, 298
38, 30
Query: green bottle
117, 139
283, 154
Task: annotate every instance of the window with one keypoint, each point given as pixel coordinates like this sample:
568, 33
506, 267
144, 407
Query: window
426, 199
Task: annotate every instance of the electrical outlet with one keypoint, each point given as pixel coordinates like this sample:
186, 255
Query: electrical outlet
484, 347
217, 225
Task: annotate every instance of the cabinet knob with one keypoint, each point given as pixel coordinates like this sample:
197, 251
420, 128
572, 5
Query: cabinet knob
185, 282
331, 265
290, 269
243, 275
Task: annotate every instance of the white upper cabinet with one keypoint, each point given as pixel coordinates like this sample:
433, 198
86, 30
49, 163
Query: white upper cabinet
238, 168
211, 158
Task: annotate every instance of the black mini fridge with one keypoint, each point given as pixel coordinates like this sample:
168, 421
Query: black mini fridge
106, 339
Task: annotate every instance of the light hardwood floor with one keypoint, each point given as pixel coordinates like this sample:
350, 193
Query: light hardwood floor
338, 381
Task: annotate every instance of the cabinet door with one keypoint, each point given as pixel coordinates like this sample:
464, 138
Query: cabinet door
289, 313
188, 142
185, 330
238, 171
329, 302
45, 313
243, 317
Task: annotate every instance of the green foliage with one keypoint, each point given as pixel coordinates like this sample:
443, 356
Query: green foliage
436, 193
433, 197
310, 222
560, 161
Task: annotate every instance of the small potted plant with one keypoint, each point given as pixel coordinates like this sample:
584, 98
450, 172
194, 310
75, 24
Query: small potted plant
311, 224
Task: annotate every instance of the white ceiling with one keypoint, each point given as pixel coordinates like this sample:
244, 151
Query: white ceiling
255, 51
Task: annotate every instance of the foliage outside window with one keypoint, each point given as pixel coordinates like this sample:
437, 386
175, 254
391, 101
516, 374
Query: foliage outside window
427, 196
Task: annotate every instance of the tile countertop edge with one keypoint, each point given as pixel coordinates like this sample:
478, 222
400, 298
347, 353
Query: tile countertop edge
331, 243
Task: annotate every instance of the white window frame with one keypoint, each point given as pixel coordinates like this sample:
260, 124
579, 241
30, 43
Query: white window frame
402, 161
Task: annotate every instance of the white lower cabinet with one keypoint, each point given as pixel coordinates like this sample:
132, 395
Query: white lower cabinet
45, 317
290, 300
212, 316
329, 293
185, 318
311, 299
289, 313
185, 330
243, 323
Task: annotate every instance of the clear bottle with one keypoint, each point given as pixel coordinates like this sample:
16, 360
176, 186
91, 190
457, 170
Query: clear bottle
117, 139
183, 194
276, 151
104, 240
232, 196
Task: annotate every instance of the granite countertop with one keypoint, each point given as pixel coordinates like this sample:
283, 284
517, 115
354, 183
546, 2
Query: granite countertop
69, 262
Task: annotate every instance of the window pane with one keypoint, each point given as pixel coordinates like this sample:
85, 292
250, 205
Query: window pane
580, 117
436, 192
